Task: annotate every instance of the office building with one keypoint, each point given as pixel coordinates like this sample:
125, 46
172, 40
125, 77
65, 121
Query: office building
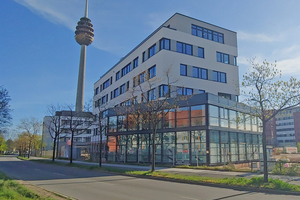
183, 57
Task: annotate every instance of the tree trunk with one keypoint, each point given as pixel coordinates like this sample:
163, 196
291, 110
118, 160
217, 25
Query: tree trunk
54, 145
153, 150
71, 158
29, 149
100, 146
264, 143
57, 146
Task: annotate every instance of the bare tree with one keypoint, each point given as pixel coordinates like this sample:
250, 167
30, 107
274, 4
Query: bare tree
53, 125
5, 110
31, 127
268, 95
154, 105
101, 123
75, 123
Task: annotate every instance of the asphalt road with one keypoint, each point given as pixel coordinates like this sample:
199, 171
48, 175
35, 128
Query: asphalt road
84, 184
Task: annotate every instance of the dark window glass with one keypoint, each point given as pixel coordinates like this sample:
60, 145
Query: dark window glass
142, 77
207, 34
106, 84
189, 91
118, 75
200, 52
215, 36
195, 72
125, 70
164, 91
184, 48
219, 76
165, 44
136, 62
151, 95
152, 72
96, 91
122, 89
179, 47
201, 91
234, 61
151, 51
222, 57
144, 56
183, 71
116, 92
203, 73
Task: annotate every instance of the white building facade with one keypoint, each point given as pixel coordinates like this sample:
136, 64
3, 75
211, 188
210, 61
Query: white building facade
199, 58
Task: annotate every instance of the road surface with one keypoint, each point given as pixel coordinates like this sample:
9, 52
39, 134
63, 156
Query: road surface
86, 185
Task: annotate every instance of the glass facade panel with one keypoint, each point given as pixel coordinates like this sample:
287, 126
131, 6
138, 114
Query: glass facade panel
144, 148
242, 146
132, 148
198, 115
233, 147
113, 124
214, 147
213, 115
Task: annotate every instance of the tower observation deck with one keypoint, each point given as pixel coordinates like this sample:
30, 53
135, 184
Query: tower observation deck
84, 35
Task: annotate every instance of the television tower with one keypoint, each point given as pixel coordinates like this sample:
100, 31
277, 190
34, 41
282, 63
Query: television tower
84, 36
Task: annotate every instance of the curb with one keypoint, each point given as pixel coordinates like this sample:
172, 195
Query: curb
239, 188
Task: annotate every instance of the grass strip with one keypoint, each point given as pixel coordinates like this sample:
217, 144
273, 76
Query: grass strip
254, 182
10, 189
23, 158
218, 168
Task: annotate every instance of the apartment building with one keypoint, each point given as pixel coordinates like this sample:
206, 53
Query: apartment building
284, 129
182, 57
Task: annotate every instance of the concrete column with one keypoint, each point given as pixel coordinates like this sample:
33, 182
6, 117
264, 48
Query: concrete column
81, 80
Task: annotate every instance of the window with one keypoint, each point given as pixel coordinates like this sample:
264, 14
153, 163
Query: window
116, 92
151, 51
183, 70
122, 89
234, 61
118, 75
184, 48
106, 84
219, 76
126, 69
200, 52
152, 72
222, 57
104, 99
165, 44
207, 34
184, 91
144, 56
201, 91
96, 91
224, 95
142, 77
199, 73
151, 95
135, 62
164, 91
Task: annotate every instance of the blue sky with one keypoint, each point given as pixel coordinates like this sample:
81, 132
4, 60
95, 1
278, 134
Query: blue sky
39, 56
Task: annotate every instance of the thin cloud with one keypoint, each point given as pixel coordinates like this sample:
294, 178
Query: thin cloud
258, 37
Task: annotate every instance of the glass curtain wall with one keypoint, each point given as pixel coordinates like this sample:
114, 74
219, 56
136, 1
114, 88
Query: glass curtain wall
183, 147
214, 146
158, 149
198, 115
132, 147
198, 146
233, 147
224, 143
121, 148
169, 151
144, 148
242, 146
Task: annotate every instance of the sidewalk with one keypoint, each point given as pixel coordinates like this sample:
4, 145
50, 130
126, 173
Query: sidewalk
196, 172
